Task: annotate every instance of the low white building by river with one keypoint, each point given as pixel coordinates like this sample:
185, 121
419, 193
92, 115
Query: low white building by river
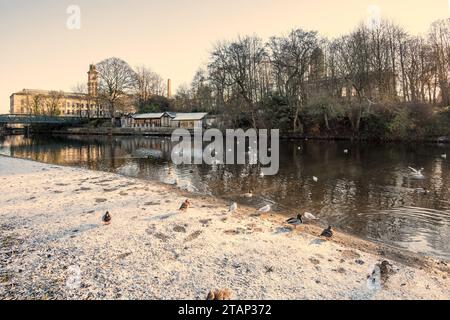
166, 120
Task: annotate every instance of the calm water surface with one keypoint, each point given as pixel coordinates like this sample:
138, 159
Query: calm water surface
367, 192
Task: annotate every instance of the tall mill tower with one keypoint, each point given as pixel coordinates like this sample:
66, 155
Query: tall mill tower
93, 81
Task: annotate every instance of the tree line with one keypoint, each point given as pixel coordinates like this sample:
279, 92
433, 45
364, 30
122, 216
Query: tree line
378, 80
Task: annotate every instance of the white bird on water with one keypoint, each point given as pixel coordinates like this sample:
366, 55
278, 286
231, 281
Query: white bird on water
346, 151
316, 179
444, 156
233, 207
265, 209
417, 174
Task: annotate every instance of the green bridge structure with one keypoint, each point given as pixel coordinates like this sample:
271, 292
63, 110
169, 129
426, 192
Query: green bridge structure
24, 119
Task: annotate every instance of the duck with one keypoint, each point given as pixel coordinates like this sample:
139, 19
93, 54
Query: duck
444, 156
222, 294
327, 233
382, 270
265, 209
249, 194
295, 221
233, 207
185, 205
417, 174
316, 179
107, 218
309, 216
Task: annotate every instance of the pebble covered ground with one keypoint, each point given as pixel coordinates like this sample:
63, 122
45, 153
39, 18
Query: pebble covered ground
55, 246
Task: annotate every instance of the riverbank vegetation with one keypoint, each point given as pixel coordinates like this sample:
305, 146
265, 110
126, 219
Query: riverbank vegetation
375, 82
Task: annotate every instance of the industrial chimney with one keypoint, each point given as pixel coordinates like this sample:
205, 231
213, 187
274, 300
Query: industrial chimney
169, 88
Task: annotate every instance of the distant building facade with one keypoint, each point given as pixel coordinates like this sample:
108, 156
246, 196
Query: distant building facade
59, 103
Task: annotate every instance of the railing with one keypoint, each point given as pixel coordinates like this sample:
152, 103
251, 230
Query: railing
34, 119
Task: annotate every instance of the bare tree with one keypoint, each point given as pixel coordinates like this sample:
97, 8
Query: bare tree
291, 58
53, 103
239, 62
37, 103
117, 79
83, 97
148, 84
439, 38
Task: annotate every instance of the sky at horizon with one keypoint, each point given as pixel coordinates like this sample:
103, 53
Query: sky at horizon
173, 37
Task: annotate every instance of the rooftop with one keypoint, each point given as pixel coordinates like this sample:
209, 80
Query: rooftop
148, 115
189, 116
46, 92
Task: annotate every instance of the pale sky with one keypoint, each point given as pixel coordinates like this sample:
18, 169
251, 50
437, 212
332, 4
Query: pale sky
173, 37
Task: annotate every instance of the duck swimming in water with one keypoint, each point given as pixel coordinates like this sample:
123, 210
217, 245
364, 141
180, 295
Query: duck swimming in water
295, 221
106, 218
327, 233
417, 174
185, 205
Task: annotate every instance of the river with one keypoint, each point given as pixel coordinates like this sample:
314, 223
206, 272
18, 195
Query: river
367, 192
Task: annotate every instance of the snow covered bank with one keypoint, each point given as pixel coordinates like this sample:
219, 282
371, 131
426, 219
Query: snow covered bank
54, 246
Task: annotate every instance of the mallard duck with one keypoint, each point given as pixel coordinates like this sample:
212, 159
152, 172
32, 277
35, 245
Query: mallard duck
233, 207
106, 218
185, 205
295, 221
327, 233
382, 270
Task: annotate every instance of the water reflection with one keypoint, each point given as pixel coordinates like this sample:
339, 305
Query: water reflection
367, 192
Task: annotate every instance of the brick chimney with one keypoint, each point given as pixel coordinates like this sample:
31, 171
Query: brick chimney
169, 88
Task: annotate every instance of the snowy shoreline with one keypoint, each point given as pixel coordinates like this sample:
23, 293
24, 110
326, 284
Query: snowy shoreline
54, 246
